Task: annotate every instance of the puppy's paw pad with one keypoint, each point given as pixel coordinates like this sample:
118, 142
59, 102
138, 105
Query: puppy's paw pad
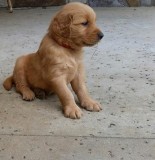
91, 105
73, 112
28, 95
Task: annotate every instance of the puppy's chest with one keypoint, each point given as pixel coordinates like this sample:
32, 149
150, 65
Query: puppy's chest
69, 66
66, 67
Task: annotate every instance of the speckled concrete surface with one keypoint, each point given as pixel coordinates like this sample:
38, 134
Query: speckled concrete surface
120, 74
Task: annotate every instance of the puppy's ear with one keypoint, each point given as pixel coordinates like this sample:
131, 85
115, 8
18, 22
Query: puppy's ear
61, 25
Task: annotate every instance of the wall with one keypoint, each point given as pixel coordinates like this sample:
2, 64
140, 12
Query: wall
118, 2
3, 3
104, 2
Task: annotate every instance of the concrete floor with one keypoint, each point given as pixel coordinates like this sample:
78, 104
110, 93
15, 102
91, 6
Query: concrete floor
120, 74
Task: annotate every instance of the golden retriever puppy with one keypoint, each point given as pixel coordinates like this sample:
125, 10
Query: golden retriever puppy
59, 60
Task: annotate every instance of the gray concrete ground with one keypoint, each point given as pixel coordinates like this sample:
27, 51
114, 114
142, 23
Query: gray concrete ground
120, 74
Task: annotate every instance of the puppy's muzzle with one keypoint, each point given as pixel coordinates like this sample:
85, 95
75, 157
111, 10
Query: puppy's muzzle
100, 35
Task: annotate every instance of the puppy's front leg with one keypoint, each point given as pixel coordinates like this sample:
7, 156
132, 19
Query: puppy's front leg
79, 87
71, 110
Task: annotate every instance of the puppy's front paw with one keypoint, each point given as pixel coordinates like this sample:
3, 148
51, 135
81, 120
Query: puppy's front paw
28, 95
91, 105
73, 112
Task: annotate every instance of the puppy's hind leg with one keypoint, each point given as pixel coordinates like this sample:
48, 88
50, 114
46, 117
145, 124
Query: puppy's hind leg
22, 86
21, 82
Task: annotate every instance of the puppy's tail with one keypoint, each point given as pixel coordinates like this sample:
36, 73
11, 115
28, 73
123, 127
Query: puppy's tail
8, 83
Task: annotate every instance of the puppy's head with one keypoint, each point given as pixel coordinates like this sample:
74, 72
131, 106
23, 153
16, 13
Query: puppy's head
75, 25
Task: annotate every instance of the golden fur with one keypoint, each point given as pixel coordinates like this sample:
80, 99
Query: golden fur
59, 60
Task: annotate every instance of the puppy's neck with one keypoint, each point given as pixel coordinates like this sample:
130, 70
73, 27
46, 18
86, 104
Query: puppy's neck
64, 42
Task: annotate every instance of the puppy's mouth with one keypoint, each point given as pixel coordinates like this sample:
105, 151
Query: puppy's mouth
89, 44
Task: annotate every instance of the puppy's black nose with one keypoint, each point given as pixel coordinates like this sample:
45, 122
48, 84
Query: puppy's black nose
100, 35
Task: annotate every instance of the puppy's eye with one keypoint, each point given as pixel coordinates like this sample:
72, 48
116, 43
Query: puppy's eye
85, 23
